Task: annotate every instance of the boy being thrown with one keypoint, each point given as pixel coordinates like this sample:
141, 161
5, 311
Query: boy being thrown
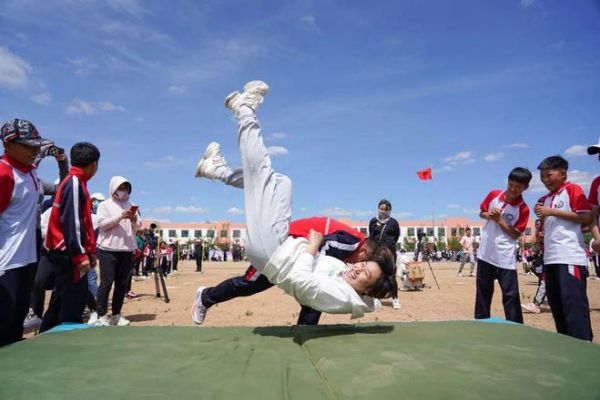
321, 282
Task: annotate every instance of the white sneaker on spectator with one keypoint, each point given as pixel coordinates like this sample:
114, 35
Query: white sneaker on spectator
103, 321
32, 322
198, 309
93, 318
212, 165
119, 320
253, 96
377, 303
396, 304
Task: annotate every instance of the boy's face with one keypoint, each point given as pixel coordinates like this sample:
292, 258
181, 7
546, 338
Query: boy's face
22, 153
515, 189
553, 178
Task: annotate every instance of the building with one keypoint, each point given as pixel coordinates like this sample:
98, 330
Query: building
227, 233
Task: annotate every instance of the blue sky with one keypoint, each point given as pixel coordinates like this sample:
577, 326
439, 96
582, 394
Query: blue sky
362, 95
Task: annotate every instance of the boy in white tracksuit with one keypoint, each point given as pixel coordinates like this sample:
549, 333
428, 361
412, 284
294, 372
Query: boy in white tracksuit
321, 282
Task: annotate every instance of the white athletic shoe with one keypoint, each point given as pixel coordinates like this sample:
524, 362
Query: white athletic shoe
211, 161
377, 303
93, 319
253, 96
119, 320
103, 321
396, 304
198, 309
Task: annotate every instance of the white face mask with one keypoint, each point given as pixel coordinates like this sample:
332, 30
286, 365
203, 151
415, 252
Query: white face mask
122, 195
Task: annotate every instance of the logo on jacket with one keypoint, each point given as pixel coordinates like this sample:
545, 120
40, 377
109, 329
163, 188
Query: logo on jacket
559, 204
509, 217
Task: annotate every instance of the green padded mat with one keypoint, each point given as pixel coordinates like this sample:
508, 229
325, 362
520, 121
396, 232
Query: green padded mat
422, 360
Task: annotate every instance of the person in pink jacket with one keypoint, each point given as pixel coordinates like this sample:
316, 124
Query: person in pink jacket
117, 222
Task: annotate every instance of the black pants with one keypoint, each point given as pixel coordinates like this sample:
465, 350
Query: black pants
15, 295
241, 286
115, 267
44, 280
596, 259
198, 262
509, 284
69, 294
567, 297
175, 262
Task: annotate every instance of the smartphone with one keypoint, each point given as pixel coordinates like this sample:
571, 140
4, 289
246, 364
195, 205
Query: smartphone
134, 209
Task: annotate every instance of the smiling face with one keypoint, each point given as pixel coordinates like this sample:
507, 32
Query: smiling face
515, 189
362, 275
553, 178
22, 153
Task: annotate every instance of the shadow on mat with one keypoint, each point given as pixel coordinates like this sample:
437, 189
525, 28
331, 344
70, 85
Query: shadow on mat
302, 334
141, 317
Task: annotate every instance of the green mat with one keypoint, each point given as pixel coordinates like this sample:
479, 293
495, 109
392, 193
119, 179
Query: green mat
423, 360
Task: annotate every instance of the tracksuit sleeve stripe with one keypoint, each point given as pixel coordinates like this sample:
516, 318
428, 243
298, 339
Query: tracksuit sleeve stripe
76, 213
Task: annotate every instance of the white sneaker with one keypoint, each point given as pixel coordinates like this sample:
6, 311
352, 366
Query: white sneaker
253, 96
211, 161
103, 321
459, 275
93, 318
396, 304
198, 309
119, 320
377, 303
32, 322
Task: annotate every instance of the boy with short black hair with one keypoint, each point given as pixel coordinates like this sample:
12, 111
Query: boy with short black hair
468, 255
507, 216
19, 193
563, 210
71, 241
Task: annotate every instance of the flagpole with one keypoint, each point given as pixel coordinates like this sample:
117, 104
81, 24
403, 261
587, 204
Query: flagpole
433, 208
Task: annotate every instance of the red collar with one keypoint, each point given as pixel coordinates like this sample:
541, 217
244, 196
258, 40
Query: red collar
80, 173
15, 164
513, 203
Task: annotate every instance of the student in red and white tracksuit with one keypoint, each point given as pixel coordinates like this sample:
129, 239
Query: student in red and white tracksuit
507, 216
19, 192
563, 210
70, 240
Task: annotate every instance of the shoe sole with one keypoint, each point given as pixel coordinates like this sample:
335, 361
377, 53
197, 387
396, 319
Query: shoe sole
230, 99
212, 148
197, 298
258, 87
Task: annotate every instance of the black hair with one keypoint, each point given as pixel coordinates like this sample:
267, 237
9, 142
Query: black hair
386, 202
383, 287
554, 162
467, 229
520, 175
83, 154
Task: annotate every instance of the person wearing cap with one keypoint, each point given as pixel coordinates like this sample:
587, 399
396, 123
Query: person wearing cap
19, 193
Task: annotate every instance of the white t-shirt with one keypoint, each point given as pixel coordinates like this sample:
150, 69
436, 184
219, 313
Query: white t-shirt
563, 240
467, 244
496, 247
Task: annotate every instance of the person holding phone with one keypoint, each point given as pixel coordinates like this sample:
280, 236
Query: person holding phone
118, 222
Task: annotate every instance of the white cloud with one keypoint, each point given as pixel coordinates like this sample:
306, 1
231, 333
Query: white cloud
309, 23
277, 151
190, 210
445, 168
453, 205
277, 135
442, 216
13, 70
576, 150
516, 146
82, 66
526, 3
42, 98
80, 106
177, 89
342, 212
132, 7
161, 210
135, 32
471, 210
166, 161
401, 214
493, 157
235, 211
463, 157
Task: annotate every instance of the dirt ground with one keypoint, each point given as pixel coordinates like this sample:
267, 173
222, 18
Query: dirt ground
453, 301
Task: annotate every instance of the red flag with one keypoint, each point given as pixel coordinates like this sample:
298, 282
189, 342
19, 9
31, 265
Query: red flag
425, 174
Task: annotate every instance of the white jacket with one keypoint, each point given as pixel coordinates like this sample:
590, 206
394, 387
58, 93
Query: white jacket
316, 281
116, 234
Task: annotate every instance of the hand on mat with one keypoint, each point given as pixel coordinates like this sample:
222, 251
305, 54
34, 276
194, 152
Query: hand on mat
314, 241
